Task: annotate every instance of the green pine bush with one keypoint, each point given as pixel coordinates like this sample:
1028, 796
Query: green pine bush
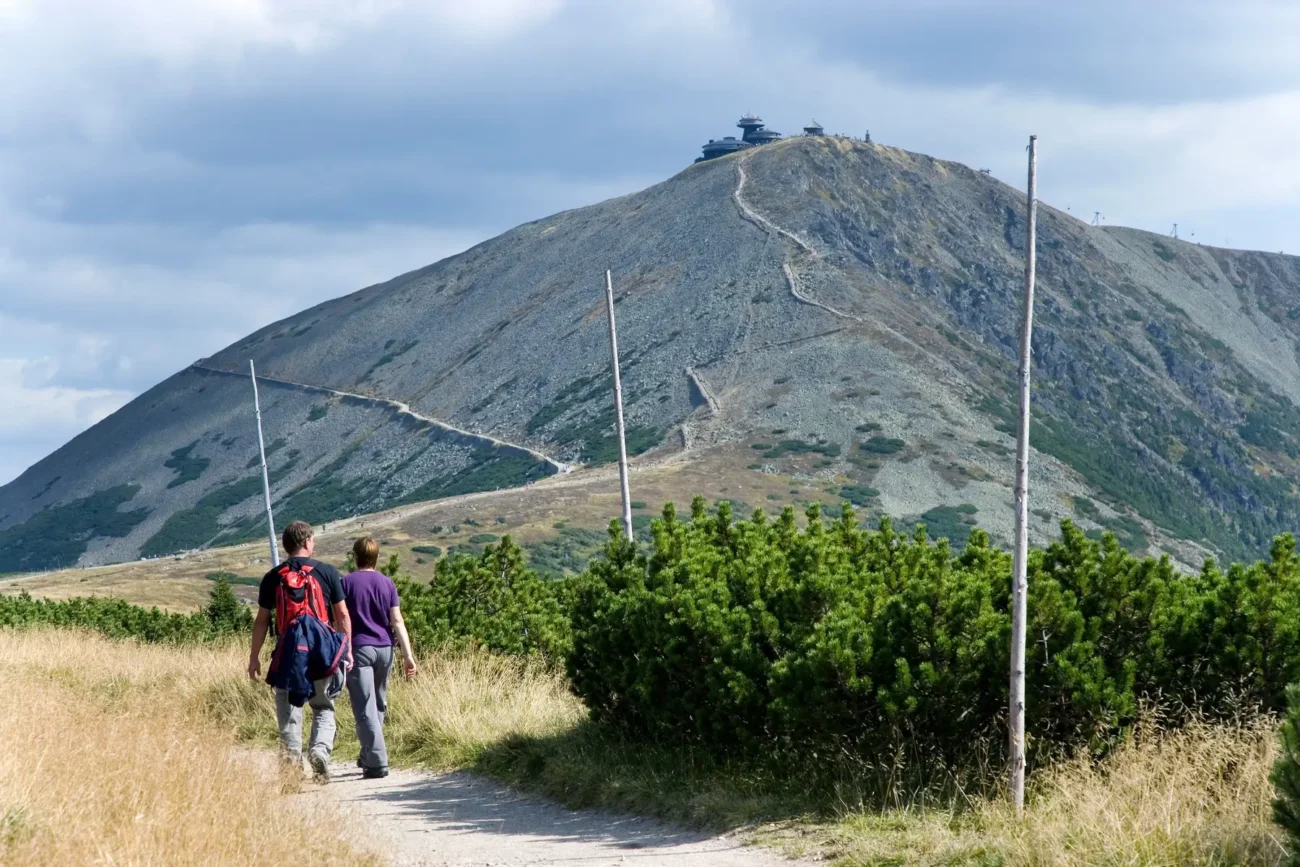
223, 617
225, 614
493, 601
735, 633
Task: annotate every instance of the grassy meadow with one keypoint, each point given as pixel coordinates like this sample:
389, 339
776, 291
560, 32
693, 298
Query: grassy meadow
113, 757
150, 763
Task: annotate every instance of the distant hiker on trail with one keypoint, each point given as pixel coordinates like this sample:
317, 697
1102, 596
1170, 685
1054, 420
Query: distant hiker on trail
313, 647
376, 621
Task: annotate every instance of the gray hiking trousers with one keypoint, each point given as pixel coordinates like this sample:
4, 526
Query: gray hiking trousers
368, 692
322, 721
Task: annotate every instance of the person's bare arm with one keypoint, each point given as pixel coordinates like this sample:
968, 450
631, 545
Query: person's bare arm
404, 640
343, 623
261, 624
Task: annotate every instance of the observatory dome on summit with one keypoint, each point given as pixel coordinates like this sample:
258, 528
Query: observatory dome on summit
755, 134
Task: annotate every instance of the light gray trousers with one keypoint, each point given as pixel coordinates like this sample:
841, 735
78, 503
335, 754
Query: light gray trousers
368, 692
322, 722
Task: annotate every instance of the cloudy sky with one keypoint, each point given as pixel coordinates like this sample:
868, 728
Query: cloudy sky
177, 173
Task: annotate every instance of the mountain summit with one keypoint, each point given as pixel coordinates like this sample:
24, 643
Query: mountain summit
837, 310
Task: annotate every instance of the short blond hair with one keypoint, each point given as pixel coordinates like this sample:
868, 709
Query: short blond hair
366, 552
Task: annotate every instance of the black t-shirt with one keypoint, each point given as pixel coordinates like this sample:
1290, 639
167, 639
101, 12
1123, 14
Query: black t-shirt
331, 585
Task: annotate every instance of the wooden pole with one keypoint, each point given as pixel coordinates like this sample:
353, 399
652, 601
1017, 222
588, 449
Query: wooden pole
1019, 579
618, 407
266, 478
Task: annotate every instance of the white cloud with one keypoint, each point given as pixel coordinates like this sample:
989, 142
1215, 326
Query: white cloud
99, 316
207, 166
37, 413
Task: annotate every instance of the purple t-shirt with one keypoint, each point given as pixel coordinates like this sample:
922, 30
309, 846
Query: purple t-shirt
370, 595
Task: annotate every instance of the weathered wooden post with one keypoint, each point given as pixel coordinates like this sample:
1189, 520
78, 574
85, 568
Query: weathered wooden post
1019, 579
266, 478
618, 407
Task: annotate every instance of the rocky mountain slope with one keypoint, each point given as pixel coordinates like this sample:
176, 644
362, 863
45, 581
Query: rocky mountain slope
833, 310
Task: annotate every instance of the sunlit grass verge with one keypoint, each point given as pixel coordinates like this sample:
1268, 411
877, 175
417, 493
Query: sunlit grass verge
109, 759
464, 704
146, 731
1196, 795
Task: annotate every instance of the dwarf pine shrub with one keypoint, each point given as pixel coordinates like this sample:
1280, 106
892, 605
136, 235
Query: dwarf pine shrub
732, 633
222, 617
492, 601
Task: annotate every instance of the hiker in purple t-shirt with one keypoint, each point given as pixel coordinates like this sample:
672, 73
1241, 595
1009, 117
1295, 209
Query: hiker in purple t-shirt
372, 602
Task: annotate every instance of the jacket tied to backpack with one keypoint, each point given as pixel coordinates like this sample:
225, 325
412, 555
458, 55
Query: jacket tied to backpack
307, 649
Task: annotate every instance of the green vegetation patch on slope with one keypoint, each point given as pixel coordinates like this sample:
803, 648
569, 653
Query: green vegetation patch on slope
494, 470
953, 523
594, 435
57, 536
858, 495
326, 498
576, 392
329, 496
797, 447
187, 467
1129, 476
568, 553
881, 445
279, 443
603, 448
200, 524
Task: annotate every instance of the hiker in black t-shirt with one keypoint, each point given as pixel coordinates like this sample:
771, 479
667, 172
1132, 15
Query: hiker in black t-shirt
299, 544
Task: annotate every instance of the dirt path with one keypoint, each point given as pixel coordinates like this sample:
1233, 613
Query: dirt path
771, 227
403, 408
460, 820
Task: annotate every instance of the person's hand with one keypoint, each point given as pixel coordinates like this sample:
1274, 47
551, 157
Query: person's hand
254, 668
410, 668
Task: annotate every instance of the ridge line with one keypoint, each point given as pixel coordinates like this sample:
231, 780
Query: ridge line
402, 408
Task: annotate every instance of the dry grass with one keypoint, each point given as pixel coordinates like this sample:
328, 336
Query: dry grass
109, 759
464, 703
1197, 795
120, 753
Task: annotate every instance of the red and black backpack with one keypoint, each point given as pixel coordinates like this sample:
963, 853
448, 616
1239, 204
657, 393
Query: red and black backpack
298, 593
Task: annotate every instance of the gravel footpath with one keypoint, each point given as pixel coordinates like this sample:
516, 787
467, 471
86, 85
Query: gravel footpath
460, 820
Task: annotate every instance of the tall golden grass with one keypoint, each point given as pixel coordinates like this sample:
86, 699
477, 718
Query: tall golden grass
463, 703
1198, 794
122, 753
110, 758
1195, 795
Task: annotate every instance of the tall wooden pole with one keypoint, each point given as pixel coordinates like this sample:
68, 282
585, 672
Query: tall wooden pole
266, 478
618, 407
1019, 580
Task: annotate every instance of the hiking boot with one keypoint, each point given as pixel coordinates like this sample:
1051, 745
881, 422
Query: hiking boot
374, 773
320, 766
